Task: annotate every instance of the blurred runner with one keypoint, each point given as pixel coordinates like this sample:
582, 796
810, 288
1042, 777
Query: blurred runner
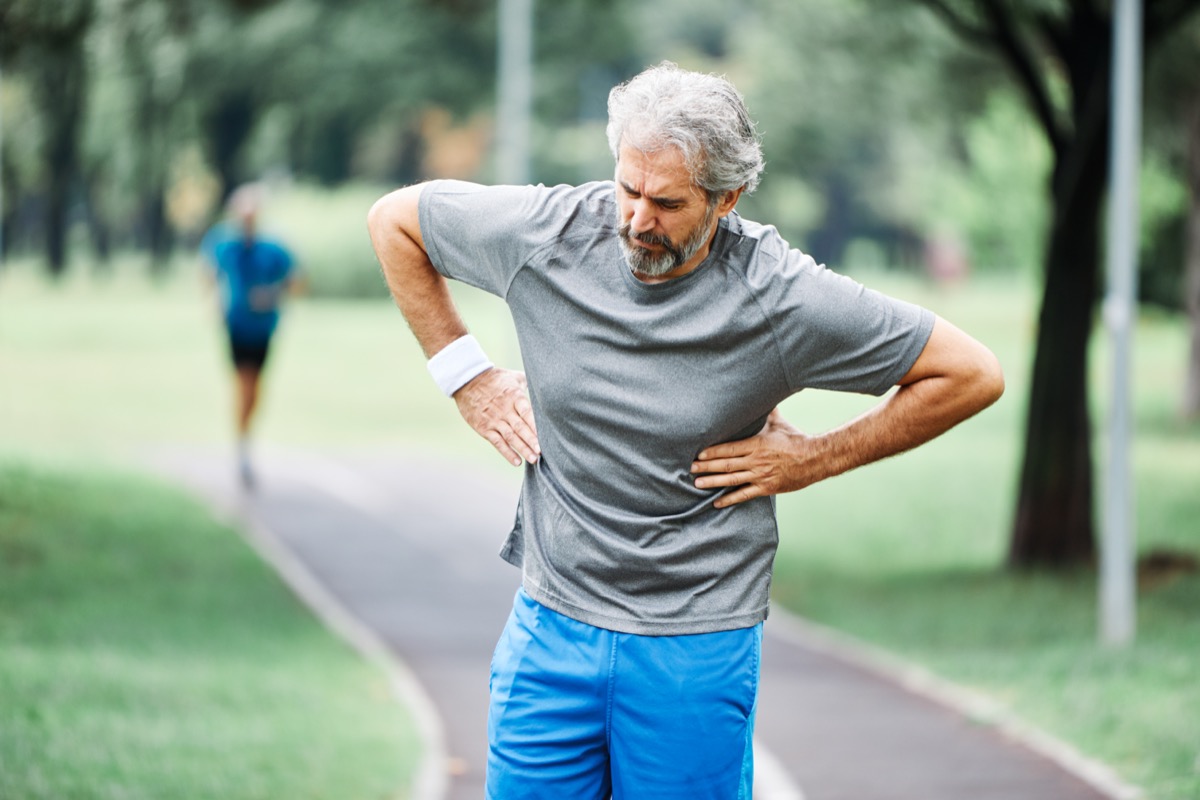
252, 274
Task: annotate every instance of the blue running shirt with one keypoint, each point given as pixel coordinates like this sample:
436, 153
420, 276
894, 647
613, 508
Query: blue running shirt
252, 278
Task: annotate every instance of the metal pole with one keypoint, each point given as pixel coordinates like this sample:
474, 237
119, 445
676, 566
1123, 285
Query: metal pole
514, 91
1117, 571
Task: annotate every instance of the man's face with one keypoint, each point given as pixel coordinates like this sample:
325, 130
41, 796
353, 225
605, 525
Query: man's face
665, 220
247, 219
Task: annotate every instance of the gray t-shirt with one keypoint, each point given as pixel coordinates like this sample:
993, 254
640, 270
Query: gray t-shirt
629, 381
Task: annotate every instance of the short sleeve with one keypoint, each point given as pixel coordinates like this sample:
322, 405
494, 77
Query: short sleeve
834, 333
483, 235
212, 239
287, 263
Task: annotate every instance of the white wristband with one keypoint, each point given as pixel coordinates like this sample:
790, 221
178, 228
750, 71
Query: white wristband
457, 363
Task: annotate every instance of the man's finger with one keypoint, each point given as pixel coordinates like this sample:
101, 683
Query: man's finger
726, 450
741, 495
724, 479
522, 440
718, 465
517, 438
528, 437
526, 411
502, 447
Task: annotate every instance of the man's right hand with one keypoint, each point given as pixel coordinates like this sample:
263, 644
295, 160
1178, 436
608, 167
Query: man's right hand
496, 404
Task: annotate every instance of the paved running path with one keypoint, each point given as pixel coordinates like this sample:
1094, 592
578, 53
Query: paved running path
407, 545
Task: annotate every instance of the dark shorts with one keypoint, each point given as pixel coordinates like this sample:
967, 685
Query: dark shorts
249, 353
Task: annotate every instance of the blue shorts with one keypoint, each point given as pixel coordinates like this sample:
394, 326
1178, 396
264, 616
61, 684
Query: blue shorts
583, 713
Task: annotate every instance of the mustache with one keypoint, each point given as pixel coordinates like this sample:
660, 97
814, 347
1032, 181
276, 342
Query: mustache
626, 232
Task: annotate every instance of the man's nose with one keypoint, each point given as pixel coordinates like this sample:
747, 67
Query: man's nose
642, 219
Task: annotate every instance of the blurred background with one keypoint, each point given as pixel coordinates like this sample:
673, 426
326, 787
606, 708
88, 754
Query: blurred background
888, 130
951, 153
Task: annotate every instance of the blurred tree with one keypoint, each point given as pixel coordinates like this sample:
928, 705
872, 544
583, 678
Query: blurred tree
861, 105
46, 41
1171, 87
154, 36
1060, 54
1170, 269
383, 61
1191, 396
300, 85
234, 49
582, 48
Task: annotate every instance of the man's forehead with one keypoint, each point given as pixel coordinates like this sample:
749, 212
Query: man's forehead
661, 172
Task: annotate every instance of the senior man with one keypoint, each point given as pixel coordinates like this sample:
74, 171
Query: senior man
659, 330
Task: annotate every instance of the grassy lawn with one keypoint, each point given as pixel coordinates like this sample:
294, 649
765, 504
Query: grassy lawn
146, 653
905, 554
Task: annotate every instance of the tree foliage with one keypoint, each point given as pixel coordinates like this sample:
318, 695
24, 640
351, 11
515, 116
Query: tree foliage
46, 40
1060, 55
127, 91
881, 125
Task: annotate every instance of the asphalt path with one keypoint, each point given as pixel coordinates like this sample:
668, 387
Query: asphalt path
399, 551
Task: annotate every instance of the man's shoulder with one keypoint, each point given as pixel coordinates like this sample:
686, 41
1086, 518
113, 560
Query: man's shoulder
544, 212
562, 193
275, 247
760, 251
216, 237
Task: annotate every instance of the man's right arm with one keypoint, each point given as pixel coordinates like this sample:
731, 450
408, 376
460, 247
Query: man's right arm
420, 292
495, 402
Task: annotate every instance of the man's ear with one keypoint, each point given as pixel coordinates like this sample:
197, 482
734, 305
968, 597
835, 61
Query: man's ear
726, 203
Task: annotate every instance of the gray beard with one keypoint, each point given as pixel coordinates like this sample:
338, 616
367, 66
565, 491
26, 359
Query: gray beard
672, 257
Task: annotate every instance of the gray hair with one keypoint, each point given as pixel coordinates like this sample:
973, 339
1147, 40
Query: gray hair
702, 115
245, 199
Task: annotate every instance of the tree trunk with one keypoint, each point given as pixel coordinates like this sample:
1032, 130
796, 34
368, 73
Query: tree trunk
332, 150
159, 236
229, 125
1191, 396
1054, 524
831, 238
98, 227
8, 212
62, 95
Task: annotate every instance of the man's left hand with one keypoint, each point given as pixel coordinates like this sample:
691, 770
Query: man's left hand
770, 462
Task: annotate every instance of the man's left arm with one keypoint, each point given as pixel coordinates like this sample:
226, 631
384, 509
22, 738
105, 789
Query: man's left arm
954, 378
296, 280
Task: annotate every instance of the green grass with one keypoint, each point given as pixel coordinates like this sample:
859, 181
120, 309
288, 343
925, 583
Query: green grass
100, 367
906, 554
146, 653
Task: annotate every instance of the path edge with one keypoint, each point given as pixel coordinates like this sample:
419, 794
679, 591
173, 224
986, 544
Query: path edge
431, 781
972, 705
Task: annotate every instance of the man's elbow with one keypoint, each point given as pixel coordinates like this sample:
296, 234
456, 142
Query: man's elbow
396, 210
987, 378
384, 214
